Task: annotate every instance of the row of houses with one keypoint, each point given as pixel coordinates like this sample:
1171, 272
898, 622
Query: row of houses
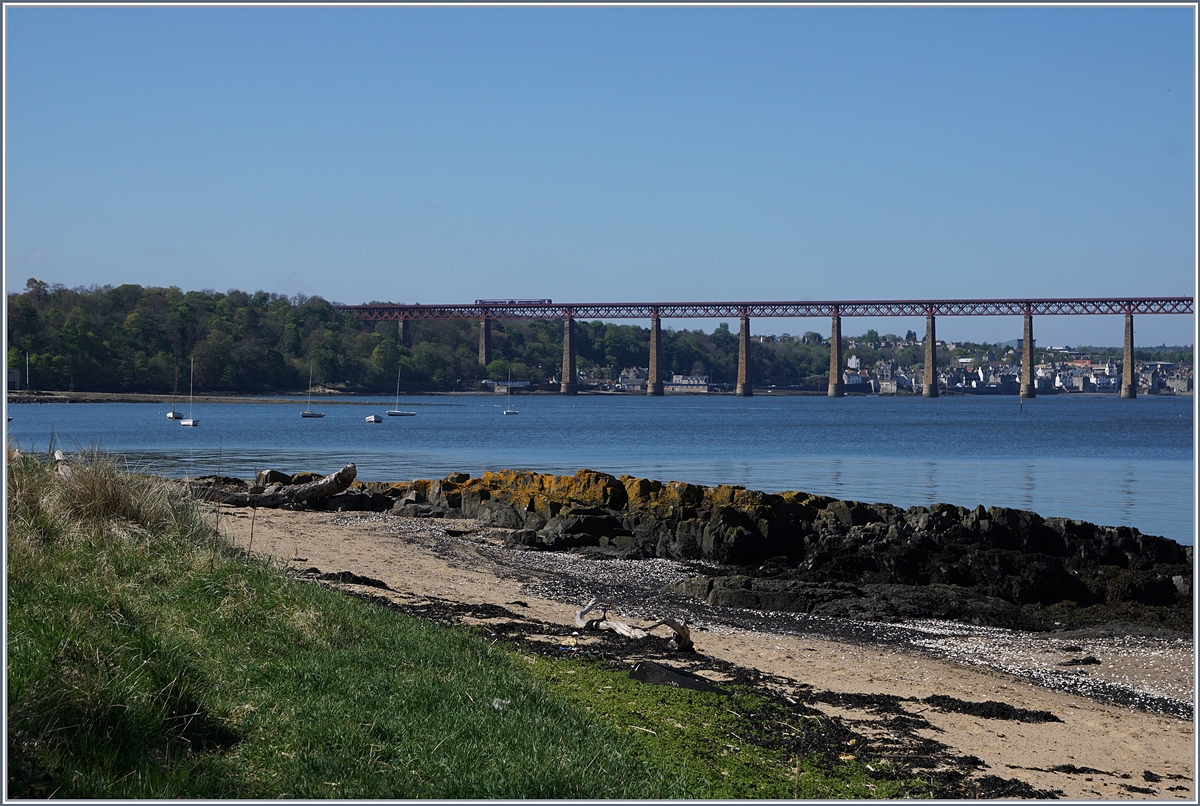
969, 376
1081, 375
635, 379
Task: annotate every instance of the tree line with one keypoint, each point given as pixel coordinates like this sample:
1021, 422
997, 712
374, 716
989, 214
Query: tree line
133, 339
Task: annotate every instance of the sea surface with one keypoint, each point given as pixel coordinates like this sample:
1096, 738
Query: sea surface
1091, 457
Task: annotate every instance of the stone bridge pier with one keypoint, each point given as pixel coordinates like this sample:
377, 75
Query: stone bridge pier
745, 378
1028, 388
485, 342
930, 387
1128, 378
569, 385
836, 386
654, 382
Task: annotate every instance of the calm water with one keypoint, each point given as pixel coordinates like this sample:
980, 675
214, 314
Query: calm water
1095, 458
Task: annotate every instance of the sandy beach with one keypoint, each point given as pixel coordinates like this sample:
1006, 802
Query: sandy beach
1121, 700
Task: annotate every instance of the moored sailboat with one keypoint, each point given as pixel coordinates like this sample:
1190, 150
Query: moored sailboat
508, 409
308, 412
172, 414
190, 420
396, 411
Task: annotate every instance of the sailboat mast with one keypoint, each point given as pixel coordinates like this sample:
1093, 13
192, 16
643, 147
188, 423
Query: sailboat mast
174, 394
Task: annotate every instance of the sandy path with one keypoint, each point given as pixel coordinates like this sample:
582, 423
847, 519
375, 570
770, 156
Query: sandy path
1107, 749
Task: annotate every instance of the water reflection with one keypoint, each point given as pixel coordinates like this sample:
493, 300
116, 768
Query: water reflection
835, 477
1027, 486
929, 487
742, 474
1125, 486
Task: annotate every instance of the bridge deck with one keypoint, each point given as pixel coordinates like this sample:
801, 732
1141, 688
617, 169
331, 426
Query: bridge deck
543, 309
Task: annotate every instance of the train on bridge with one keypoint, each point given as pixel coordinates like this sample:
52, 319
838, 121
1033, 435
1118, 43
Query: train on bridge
514, 302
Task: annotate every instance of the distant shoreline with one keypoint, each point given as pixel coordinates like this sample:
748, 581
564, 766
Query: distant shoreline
339, 398
360, 398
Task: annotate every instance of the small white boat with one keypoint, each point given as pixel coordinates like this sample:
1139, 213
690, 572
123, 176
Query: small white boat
374, 418
190, 420
174, 415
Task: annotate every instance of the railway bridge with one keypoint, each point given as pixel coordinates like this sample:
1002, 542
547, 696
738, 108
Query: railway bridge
486, 311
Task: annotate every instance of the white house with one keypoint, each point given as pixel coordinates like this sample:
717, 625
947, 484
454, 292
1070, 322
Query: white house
687, 384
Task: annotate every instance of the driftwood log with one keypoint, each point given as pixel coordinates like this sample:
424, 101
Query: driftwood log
603, 623
682, 640
321, 488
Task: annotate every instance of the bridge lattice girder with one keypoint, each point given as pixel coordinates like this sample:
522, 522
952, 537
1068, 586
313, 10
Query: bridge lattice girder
791, 310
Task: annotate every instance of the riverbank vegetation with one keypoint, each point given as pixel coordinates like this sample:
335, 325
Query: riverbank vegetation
150, 658
135, 339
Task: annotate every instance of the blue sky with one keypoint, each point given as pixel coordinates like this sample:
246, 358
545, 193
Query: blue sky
612, 154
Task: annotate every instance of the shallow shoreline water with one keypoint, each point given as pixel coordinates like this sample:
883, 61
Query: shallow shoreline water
1093, 458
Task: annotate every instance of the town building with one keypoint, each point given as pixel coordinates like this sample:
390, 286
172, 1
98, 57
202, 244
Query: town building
633, 379
502, 387
855, 381
687, 384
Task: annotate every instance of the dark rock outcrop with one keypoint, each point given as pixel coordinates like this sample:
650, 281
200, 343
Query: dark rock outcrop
809, 553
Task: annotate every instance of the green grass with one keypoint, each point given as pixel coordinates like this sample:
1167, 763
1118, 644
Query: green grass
147, 658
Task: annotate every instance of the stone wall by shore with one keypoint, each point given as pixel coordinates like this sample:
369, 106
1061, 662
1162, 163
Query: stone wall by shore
800, 552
